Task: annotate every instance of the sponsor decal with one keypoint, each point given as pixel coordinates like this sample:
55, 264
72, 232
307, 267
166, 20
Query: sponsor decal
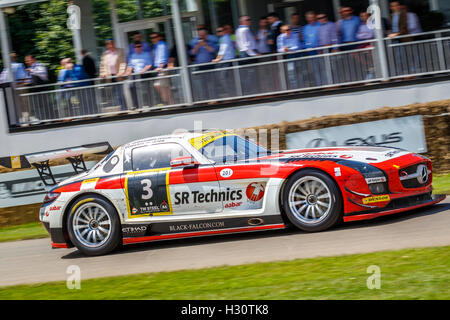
150, 208
375, 180
188, 197
147, 193
382, 198
337, 172
197, 226
89, 184
255, 221
164, 206
54, 208
255, 191
226, 173
203, 140
137, 229
233, 205
392, 153
15, 162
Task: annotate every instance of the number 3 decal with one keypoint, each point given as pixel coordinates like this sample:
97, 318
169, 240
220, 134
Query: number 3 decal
147, 191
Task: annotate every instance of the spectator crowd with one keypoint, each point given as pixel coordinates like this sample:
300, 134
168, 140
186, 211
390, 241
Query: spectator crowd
272, 36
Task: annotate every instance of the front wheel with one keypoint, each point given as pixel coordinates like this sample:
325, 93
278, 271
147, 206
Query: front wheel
312, 201
94, 226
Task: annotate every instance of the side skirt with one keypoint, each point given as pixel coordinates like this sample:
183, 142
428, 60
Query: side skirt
137, 233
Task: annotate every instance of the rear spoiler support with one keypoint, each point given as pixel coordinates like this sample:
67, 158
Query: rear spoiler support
78, 164
41, 160
45, 172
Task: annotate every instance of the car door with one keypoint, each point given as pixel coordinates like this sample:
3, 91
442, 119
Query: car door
240, 181
153, 188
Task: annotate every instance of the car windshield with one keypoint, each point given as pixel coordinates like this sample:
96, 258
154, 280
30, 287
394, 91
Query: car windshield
232, 148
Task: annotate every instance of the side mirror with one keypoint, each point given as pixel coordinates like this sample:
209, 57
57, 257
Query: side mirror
183, 162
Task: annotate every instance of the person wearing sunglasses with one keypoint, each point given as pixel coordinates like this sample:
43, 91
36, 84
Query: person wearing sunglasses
138, 37
287, 41
160, 52
226, 48
327, 33
245, 40
140, 61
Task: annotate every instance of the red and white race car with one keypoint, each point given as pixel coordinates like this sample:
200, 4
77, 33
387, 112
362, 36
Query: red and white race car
197, 184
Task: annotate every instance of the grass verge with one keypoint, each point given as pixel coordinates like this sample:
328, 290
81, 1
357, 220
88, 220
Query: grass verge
33, 230
405, 274
441, 183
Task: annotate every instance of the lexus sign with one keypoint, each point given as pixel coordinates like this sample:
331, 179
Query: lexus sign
406, 133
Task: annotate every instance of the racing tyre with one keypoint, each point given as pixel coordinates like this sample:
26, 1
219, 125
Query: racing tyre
312, 201
94, 226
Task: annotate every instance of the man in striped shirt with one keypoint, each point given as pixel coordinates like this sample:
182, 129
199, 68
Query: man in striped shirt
36, 70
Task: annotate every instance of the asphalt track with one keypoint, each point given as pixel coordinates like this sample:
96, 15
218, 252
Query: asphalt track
33, 261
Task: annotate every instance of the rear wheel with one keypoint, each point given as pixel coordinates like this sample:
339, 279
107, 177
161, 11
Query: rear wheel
312, 201
94, 226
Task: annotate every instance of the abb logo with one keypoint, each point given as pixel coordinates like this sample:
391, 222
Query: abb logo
255, 191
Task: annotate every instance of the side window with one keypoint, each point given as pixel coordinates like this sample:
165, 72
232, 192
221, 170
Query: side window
220, 150
156, 156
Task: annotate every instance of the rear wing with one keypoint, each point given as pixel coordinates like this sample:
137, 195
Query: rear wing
40, 160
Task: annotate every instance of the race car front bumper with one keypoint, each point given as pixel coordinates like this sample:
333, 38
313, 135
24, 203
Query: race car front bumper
396, 206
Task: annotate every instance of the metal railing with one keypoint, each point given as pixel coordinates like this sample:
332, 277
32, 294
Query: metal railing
345, 64
100, 97
419, 54
285, 72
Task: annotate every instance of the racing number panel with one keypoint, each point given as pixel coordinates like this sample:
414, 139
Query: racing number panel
147, 193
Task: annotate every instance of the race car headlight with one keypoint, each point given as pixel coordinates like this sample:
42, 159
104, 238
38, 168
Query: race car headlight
375, 178
378, 188
51, 196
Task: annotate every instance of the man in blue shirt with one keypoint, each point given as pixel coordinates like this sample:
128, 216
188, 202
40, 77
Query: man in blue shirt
226, 49
348, 27
18, 71
311, 31
139, 61
160, 52
145, 45
327, 31
204, 49
211, 37
296, 29
287, 41
311, 40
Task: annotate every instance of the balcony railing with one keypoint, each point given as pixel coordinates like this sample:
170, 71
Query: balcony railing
346, 64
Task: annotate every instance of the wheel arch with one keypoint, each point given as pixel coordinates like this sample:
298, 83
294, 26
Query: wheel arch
73, 200
281, 193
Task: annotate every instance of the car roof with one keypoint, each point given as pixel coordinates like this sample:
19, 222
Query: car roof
187, 136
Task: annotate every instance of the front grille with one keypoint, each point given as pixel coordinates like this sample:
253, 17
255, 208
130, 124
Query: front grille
411, 173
